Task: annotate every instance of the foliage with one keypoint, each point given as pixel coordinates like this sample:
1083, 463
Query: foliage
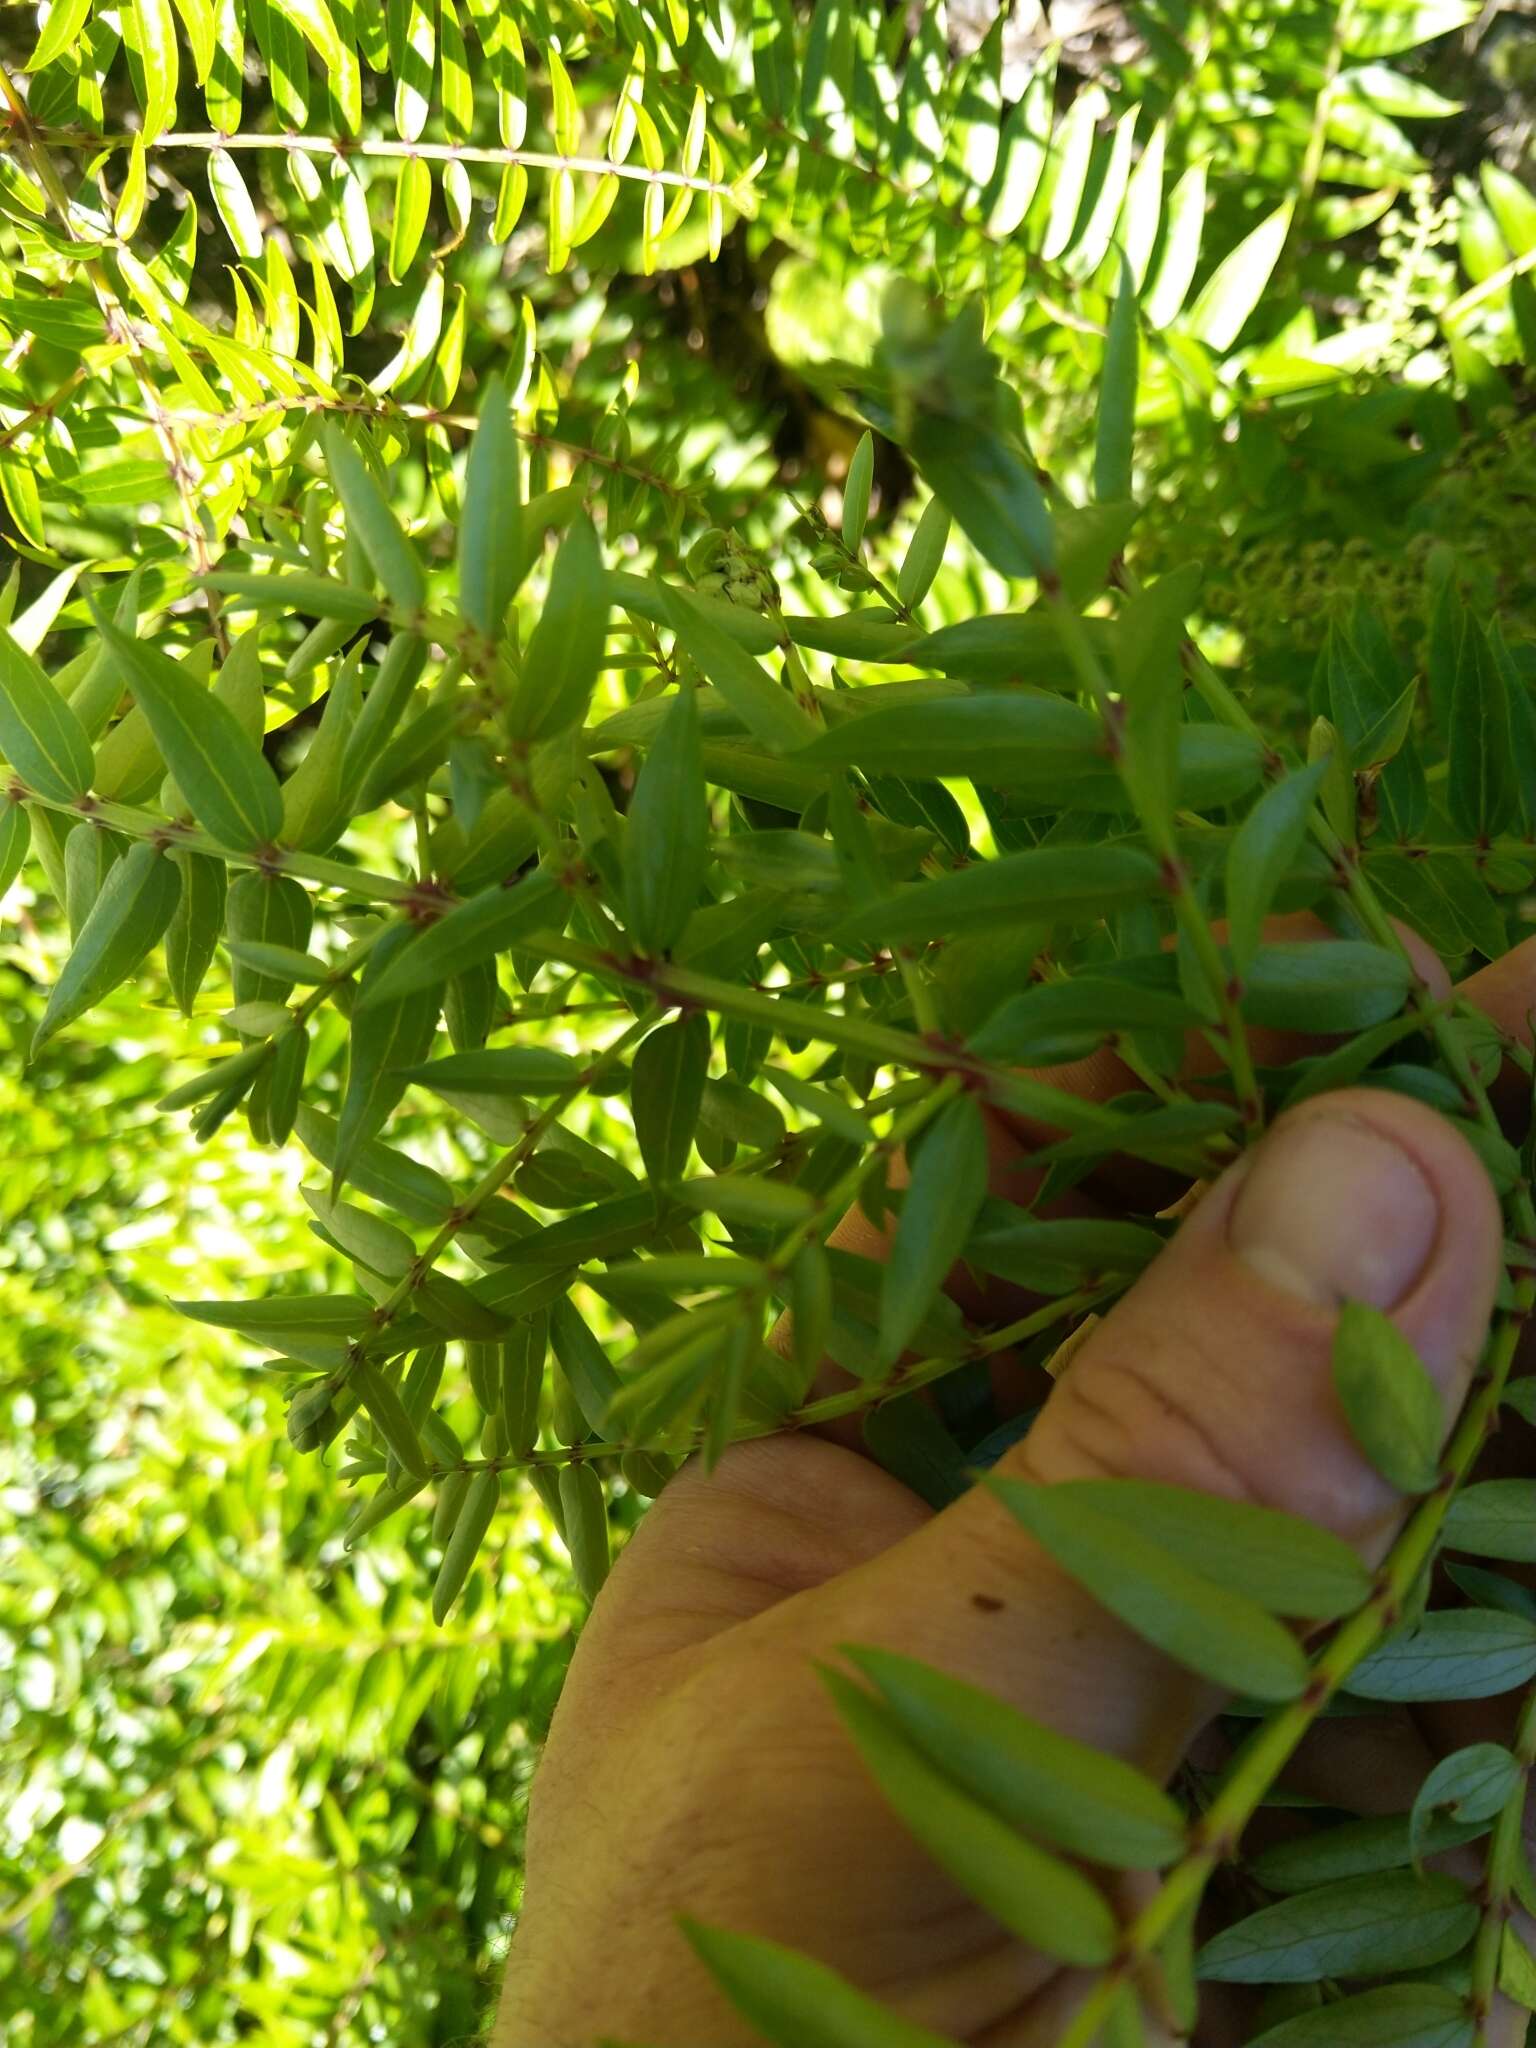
248, 1784
428, 666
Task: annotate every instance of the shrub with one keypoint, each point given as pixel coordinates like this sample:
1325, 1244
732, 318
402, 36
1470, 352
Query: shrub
601, 847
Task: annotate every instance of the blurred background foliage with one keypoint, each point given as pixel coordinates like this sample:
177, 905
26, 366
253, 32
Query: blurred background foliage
249, 1791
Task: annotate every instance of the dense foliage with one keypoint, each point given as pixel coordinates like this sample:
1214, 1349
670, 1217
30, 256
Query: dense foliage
585, 715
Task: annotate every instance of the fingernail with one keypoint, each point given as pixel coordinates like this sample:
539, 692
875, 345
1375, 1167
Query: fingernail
1332, 1211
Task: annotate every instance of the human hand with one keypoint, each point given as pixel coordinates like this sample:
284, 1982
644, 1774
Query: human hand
694, 1733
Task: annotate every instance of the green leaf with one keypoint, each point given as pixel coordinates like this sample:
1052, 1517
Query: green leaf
373, 524
463, 1545
906, 1438
1035, 1895
223, 774
1495, 1518
15, 842
1055, 1255
159, 63
748, 1198
925, 553
1470, 1784
1077, 1798
193, 932
991, 491
490, 525
565, 649
666, 1089
413, 201
1364, 1927
584, 1362
666, 845
43, 739
798, 2003
232, 199
999, 737
1065, 1020
320, 595
382, 1400
129, 915
1395, 1410
1181, 248
1517, 1969
1220, 1635
1393, 2016
762, 705
387, 1039
1149, 635
61, 31
1261, 855
584, 1514
1237, 285
1450, 1654
501, 1070
949, 1179
476, 930
1353, 1849
1325, 985
1069, 883
1114, 432
389, 1176
1286, 1565
1385, 27
856, 485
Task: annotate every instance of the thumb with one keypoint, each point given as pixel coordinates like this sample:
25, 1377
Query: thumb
1213, 1372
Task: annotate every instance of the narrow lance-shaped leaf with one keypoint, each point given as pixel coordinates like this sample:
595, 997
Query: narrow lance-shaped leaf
1080, 1799
1235, 288
15, 842
1364, 1927
193, 932
797, 2003
413, 200
499, 1070
42, 738
490, 530
473, 1519
1037, 1896
1453, 1653
925, 553
1262, 850
949, 1180
584, 1513
761, 704
1287, 1565
666, 1089
856, 486
370, 519
666, 846
385, 1038
129, 915
1116, 423
1394, 1408
473, 931
1495, 1518
382, 1400
565, 649
222, 772
584, 1362
1219, 1634
1413, 2015
1181, 248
